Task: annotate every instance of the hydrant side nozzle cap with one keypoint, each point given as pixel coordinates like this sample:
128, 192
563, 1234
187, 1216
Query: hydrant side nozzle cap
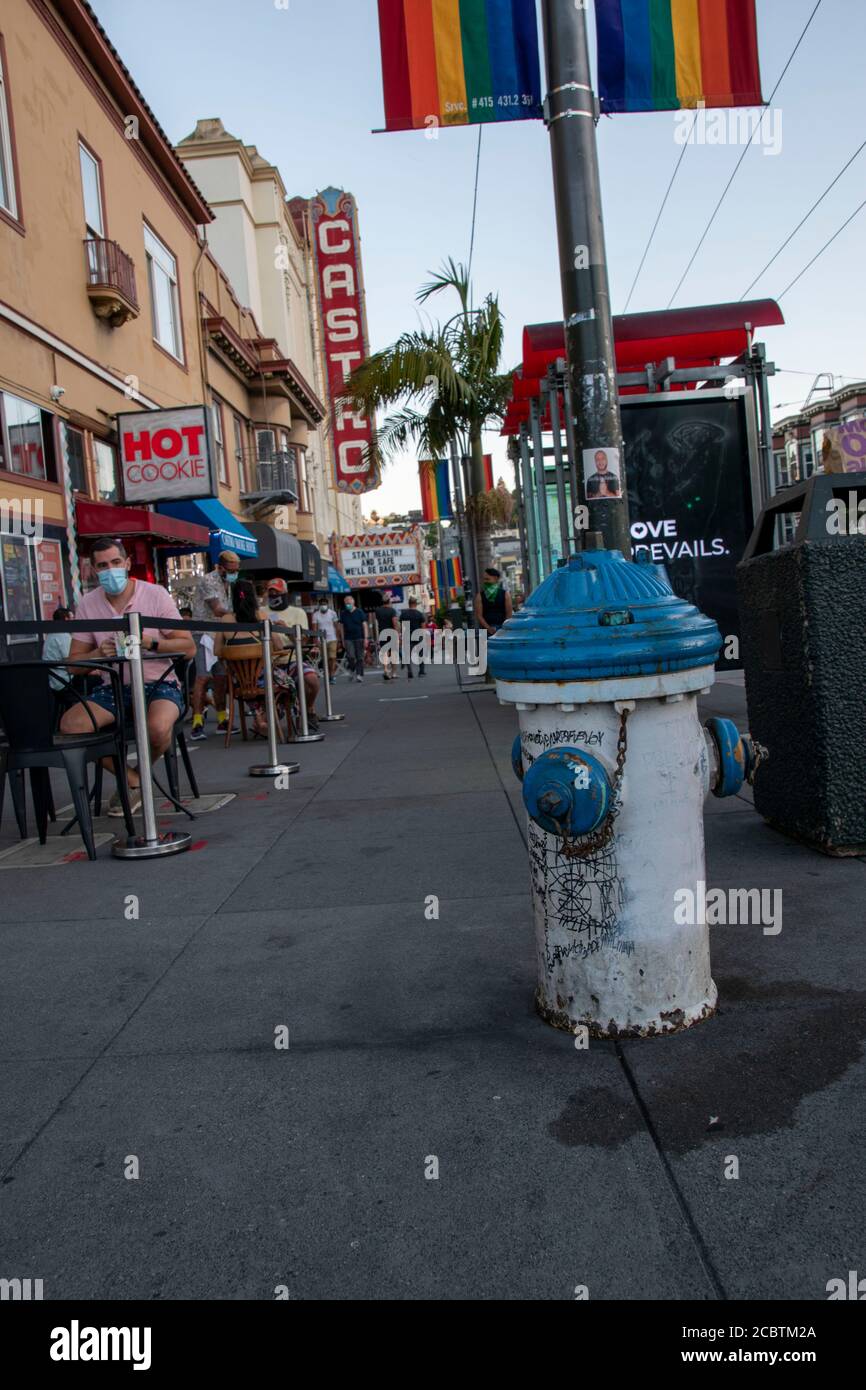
557, 635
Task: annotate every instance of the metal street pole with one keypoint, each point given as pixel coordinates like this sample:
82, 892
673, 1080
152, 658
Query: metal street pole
570, 111
556, 431
540, 488
533, 579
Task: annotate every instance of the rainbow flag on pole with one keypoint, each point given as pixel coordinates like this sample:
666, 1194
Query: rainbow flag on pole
666, 55
435, 490
459, 62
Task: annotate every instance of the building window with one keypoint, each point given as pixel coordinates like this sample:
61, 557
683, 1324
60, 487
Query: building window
27, 440
8, 195
216, 411
264, 445
91, 187
240, 459
807, 461
164, 298
303, 489
75, 457
107, 489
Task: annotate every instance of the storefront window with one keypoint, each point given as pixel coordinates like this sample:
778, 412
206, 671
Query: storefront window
107, 489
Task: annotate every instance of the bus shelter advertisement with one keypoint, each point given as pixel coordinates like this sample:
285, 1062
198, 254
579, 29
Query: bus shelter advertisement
688, 468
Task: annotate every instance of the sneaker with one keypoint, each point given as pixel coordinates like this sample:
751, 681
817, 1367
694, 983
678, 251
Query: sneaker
115, 808
197, 733
422, 672
333, 680
360, 679
222, 725
411, 675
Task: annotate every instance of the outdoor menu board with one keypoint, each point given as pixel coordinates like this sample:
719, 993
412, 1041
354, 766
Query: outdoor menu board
49, 577
19, 604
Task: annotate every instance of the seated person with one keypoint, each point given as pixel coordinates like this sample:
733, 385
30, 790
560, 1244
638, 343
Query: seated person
249, 644
119, 593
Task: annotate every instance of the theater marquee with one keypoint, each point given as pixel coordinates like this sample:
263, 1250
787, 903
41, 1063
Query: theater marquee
334, 219
381, 560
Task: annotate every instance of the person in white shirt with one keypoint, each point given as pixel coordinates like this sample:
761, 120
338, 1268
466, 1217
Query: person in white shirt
325, 621
56, 646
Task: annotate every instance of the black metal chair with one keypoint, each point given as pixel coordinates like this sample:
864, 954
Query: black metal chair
31, 715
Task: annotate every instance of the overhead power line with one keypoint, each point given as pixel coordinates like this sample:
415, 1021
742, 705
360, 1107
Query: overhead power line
824, 248
739, 163
659, 216
803, 220
475, 203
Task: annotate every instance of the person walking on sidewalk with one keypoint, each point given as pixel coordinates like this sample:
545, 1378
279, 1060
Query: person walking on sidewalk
212, 602
415, 622
353, 630
386, 618
325, 620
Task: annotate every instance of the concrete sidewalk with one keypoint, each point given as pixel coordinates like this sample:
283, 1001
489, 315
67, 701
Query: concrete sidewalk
413, 1044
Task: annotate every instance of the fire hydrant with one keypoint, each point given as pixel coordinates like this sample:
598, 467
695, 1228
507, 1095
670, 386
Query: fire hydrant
604, 665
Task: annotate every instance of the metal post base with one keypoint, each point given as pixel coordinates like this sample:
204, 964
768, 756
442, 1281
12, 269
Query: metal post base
306, 738
137, 847
276, 770
330, 718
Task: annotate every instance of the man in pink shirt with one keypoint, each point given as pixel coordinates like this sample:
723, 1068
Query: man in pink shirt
119, 593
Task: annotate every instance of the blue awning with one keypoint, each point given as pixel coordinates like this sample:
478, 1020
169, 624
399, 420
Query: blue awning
226, 532
336, 582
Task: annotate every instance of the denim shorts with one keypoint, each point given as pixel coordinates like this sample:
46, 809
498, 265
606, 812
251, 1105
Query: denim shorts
156, 690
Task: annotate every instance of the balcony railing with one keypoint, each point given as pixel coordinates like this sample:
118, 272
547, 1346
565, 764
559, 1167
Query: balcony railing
275, 475
110, 281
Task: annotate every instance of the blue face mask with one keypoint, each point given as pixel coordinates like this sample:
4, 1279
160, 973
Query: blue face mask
114, 581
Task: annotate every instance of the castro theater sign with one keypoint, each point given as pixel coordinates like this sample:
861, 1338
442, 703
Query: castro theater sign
165, 455
377, 561
334, 219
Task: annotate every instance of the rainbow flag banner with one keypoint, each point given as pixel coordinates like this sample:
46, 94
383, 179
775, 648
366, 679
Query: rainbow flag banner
435, 490
666, 55
459, 62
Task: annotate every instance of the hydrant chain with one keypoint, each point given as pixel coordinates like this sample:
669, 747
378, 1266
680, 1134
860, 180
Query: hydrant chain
574, 848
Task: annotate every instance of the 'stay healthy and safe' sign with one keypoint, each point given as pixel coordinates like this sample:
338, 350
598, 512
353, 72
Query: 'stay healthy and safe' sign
376, 561
344, 333
165, 455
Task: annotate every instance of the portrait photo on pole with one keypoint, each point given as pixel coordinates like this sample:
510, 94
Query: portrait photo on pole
602, 473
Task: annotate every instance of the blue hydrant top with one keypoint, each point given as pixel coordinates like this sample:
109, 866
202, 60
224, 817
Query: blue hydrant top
601, 616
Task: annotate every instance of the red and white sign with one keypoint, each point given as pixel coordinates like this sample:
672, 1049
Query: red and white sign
378, 560
334, 219
165, 455
49, 578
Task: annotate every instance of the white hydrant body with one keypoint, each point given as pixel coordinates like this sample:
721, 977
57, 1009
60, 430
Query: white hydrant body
610, 955
604, 665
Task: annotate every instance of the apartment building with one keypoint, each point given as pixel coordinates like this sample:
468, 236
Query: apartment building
263, 241
99, 241
112, 301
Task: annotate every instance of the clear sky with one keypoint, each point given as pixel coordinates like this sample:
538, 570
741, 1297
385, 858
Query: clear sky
301, 80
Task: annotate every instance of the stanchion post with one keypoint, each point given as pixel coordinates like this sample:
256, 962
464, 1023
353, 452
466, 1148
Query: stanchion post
150, 845
274, 768
329, 717
304, 736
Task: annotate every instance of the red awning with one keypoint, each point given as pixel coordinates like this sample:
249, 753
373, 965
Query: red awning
105, 519
703, 334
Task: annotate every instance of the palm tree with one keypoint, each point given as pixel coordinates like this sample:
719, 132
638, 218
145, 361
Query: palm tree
447, 384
